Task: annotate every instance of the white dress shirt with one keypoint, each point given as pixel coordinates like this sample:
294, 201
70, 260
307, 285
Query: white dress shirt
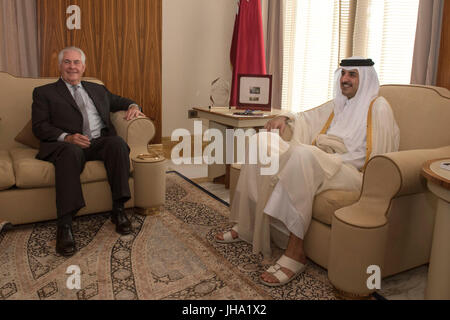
96, 123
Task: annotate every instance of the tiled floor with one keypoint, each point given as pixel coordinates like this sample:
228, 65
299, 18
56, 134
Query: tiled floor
408, 285
191, 171
217, 189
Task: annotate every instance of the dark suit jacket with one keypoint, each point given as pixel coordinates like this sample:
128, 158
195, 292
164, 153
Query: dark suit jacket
54, 111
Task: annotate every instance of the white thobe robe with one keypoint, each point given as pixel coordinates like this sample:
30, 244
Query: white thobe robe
285, 199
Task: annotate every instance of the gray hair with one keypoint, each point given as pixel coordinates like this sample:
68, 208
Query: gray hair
61, 54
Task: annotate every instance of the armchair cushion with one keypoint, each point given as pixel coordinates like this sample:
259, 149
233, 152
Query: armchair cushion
27, 137
7, 178
327, 202
34, 173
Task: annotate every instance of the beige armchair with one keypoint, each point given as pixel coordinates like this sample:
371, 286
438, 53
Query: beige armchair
27, 192
390, 222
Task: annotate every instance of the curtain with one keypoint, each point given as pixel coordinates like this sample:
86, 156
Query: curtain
384, 32
319, 34
313, 45
18, 38
274, 48
347, 14
427, 42
247, 52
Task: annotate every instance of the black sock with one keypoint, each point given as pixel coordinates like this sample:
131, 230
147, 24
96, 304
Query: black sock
65, 219
118, 205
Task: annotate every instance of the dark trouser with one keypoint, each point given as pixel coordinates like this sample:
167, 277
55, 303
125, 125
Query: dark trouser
69, 161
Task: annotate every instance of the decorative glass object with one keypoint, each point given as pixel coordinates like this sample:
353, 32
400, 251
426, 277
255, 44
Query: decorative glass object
220, 93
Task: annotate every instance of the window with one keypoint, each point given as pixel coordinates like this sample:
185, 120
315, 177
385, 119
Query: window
318, 34
385, 31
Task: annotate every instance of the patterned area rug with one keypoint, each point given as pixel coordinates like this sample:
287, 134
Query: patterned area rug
171, 256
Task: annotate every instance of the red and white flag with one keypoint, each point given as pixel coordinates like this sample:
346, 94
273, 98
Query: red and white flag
247, 48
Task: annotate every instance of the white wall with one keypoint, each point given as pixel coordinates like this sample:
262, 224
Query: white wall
196, 41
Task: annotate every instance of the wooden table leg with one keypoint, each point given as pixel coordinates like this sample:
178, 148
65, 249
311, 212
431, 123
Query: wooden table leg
224, 179
219, 180
227, 177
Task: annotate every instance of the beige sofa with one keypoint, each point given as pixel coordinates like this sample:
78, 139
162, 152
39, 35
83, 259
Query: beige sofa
390, 222
27, 192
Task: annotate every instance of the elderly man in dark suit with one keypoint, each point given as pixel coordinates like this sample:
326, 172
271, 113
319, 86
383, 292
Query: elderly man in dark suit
72, 119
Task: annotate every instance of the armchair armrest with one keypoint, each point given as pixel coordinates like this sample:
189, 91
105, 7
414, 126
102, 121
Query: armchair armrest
409, 164
386, 177
137, 132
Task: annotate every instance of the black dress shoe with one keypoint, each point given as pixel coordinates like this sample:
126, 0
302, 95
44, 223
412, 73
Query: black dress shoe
65, 244
120, 219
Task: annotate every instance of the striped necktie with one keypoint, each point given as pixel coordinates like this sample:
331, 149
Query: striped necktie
81, 105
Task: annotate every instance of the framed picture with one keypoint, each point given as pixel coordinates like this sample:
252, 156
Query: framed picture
254, 92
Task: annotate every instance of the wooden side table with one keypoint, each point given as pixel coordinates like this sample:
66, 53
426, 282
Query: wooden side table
223, 118
438, 182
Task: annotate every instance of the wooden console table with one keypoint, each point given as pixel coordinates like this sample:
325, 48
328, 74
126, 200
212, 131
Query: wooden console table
222, 118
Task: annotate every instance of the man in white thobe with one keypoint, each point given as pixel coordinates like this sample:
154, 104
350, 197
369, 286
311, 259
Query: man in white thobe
329, 149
